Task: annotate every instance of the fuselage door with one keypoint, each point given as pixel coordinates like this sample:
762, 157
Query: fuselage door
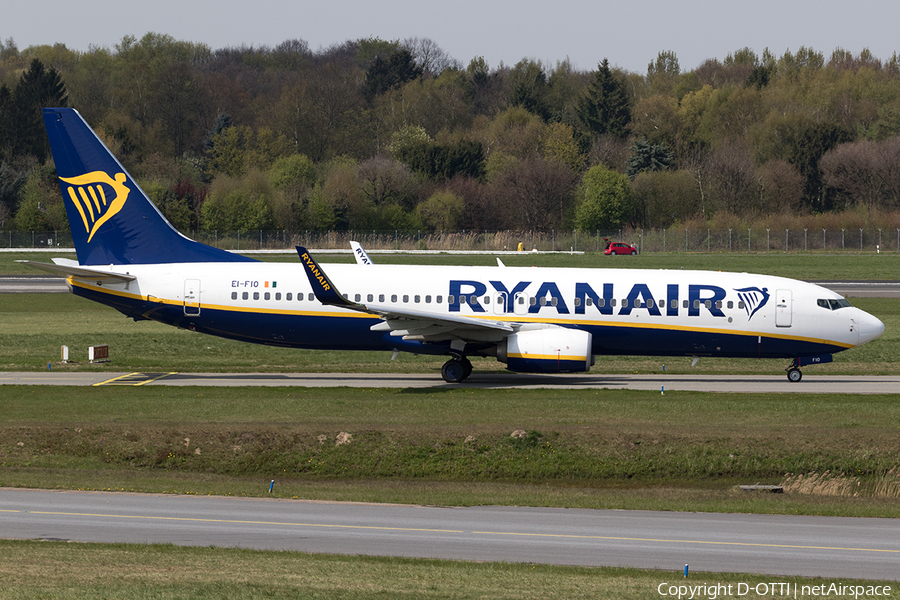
783, 308
192, 297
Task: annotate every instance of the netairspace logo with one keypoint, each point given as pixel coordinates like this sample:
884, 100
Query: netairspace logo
711, 591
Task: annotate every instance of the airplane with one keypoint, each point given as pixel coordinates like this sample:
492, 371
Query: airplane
535, 320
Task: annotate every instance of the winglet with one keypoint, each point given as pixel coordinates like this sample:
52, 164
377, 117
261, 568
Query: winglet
322, 287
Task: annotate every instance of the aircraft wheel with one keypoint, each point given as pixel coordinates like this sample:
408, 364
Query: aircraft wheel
794, 375
454, 371
467, 367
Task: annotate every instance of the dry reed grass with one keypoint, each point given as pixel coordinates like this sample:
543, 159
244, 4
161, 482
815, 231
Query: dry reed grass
886, 485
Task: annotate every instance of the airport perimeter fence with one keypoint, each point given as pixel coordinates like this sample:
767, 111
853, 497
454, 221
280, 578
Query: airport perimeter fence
647, 240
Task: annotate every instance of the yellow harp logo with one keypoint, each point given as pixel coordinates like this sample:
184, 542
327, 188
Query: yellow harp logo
88, 193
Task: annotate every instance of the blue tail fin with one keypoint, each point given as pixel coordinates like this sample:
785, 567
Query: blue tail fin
113, 221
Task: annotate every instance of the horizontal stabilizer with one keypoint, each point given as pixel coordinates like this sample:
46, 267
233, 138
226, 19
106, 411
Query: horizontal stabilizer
80, 272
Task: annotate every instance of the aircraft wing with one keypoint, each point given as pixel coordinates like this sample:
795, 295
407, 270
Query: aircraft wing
72, 270
399, 320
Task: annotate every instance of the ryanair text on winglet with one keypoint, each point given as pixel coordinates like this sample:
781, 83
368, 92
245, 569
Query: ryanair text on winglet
311, 265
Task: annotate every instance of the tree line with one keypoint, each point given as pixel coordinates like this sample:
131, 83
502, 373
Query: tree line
397, 135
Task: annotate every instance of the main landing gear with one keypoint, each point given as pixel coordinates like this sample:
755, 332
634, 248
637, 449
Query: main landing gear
456, 370
793, 374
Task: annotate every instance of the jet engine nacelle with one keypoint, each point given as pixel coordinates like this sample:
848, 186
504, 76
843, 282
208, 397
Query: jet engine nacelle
547, 350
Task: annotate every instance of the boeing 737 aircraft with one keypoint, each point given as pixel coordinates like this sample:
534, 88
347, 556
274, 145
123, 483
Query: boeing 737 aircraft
539, 320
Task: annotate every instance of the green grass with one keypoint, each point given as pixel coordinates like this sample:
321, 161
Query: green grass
591, 449
70, 571
36, 325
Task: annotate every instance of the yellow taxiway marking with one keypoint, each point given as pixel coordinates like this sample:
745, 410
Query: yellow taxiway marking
629, 539
242, 522
499, 533
135, 379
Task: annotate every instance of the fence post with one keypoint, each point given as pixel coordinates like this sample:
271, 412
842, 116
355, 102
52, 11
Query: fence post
786, 240
842, 238
860, 238
748, 240
805, 248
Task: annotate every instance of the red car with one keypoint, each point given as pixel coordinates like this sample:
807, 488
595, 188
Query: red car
620, 248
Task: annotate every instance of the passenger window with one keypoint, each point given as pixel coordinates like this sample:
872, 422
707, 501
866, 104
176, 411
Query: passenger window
310, 296
718, 304
289, 296
417, 298
625, 303
381, 297
394, 298
451, 298
554, 300
439, 299
473, 300
731, 304
427, 299
650, 303
405, 298
590, 302
543, 302
346, 297
578, 301
708, 304
612, 302
674, 303
685, 304
357, 298
256, 295
532, 301
234, 295
267, 296
741, 304
244, 296
369, 298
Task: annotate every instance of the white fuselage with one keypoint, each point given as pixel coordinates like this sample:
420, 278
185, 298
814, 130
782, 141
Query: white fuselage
628, 311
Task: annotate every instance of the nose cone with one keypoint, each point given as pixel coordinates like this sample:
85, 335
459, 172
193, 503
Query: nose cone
870, 327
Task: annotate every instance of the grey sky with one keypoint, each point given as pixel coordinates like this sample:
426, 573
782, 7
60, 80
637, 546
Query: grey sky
629, 34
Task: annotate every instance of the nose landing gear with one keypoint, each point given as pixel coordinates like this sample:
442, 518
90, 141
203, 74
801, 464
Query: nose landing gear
793, 374
793, 371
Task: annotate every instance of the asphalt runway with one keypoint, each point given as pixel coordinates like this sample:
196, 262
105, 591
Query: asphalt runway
774, 384
833, 547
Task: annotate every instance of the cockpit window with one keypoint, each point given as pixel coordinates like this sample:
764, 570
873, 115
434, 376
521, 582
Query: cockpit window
832, 304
